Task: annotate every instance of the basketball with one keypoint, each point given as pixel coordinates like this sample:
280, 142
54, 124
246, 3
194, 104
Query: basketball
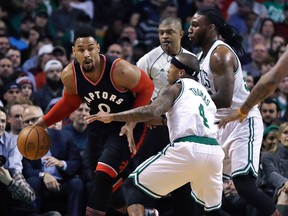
33, 142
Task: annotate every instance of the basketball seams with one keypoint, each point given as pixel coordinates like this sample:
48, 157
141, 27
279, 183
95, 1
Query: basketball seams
39, 140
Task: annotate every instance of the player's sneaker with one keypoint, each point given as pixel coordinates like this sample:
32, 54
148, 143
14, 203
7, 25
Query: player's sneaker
151, 212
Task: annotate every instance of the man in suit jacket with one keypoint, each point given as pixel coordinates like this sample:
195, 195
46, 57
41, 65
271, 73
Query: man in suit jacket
55, 177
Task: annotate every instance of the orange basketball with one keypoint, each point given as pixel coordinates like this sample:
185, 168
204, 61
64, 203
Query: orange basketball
33, 142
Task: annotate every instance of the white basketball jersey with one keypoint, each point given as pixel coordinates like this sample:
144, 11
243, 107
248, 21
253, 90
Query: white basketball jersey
240, 92
156, 64
193, 112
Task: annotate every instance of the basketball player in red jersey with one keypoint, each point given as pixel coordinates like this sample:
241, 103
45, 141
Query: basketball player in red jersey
106, 84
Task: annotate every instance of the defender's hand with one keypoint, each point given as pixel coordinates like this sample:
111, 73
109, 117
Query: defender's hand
100, 116
233, 116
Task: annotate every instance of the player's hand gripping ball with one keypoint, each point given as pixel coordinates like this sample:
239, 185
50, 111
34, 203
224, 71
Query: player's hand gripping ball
33, 142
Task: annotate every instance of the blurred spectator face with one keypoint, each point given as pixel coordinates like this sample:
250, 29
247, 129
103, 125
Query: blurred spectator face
15, 117
3, 122
61, 55
27, 90
78, 115
268, 28
283, 86
277, 41
26, 25
250, 20
127, 49
6, 68
41, 20
115, 50
12, 95
284, 136
4, 45
257, 39
3, 27
259, 53
270, 142
169, 11
129, 32
15, 56
268, 112
250, 82
33, 37
266, 66
44, 59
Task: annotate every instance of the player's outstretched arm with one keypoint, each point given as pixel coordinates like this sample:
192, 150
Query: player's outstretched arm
141, 114
66, 105
264, 88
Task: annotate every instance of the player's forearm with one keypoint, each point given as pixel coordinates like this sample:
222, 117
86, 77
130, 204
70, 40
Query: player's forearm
139, 114
263, 89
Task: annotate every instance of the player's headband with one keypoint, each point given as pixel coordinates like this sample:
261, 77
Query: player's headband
180, 65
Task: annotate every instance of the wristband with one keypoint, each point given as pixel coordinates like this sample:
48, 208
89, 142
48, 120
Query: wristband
241, 113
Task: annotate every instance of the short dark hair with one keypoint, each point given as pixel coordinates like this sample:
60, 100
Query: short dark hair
84, 31
270, 100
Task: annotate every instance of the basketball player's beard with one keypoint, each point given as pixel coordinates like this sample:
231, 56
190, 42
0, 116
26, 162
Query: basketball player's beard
90, 69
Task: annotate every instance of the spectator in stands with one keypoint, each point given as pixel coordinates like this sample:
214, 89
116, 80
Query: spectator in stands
54, 177
270, 138
275, 168
36, 63
15, 56
270, 111
259, 53
53, 87
276, 42
127, 49
64, 19
249, 81
12, 93
14, 114
60, 54
130, 32
267, 29
14, 189
27, 88
267, 64
4, 45
115, 50
78, 127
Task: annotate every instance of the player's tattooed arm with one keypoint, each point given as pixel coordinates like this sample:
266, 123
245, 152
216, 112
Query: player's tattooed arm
141, 114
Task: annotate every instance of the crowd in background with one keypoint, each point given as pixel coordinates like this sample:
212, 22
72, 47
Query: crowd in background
36, 38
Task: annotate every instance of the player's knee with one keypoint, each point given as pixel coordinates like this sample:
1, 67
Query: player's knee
103, 168
134, 195
102, 178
